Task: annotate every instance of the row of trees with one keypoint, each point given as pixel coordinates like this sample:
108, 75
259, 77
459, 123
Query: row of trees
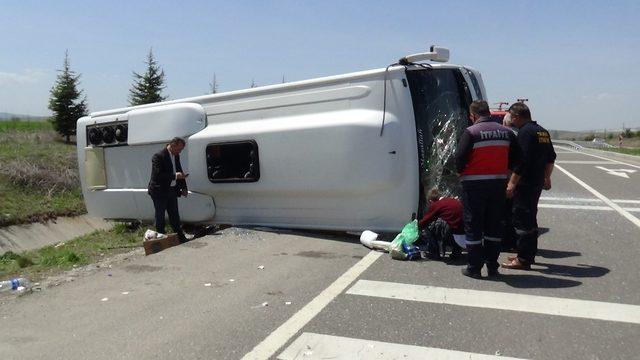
68, 104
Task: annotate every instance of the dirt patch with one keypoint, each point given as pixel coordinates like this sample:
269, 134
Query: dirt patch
135, 268
317, 254
195, 244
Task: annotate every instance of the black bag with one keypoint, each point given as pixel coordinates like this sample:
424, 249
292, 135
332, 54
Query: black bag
439, 238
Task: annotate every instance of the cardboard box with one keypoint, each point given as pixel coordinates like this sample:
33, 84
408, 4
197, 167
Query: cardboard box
155, 246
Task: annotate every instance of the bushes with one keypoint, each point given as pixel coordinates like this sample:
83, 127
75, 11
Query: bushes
39, 177
55, 177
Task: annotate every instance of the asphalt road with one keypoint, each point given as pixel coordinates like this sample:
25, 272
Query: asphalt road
323, 295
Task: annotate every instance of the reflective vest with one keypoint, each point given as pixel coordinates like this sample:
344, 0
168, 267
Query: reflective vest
489, 157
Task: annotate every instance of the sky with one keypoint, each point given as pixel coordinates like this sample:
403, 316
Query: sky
576, 61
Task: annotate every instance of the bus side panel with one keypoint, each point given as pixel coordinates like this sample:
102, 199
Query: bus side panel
322, 165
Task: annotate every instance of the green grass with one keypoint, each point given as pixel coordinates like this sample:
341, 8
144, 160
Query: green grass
19, 205
51, 260
24, 125
52, 162
630, 151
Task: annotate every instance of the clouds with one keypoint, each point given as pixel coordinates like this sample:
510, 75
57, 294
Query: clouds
27, 76
603, 96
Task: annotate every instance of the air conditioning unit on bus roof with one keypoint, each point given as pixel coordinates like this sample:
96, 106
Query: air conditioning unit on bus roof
436, 53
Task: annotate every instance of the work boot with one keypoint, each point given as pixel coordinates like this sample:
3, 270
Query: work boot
493, 273
474, 274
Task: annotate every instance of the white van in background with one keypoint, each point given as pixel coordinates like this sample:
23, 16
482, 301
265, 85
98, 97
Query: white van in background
348, 152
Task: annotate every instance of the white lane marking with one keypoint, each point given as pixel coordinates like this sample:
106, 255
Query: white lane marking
582, 207
569, 199
622, 201
321, 346
572, 199
615, 206
590, 162
586, 309
286, 331
605, 158
617, 172
574, 207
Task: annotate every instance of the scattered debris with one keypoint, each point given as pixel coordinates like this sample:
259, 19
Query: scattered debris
287, 302
265, 304
104, 299
261, 267
125, 293
232, 280
59, 244
498, 353
207, 284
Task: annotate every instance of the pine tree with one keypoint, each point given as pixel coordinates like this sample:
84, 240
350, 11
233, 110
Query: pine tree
147, 88
65, 101
253, 83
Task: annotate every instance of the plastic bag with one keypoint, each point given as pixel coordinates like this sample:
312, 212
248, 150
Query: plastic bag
407, 236
152, 235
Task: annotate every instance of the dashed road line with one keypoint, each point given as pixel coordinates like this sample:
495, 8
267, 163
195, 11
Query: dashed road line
604, 158
586, 162
586, 309
583, 207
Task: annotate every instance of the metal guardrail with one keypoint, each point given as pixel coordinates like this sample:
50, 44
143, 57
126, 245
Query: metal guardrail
569, 143
595, 144
585, 144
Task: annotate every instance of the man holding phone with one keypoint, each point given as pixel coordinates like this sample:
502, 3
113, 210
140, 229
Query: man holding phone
168, 182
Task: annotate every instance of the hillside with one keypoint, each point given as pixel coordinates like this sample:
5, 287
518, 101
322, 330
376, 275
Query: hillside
4, 116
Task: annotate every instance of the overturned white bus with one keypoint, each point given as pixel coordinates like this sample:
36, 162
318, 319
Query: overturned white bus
347, 152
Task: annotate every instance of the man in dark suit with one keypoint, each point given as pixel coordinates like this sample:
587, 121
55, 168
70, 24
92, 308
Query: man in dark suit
167, 183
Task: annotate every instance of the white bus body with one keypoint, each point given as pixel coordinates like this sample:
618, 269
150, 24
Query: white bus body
315, 154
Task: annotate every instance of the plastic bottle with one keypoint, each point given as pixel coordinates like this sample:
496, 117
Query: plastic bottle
18, 285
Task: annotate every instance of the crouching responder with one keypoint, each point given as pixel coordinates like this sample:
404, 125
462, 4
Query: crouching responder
486, 152
442, 220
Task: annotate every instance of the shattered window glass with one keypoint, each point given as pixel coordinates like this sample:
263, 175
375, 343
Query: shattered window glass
441, 99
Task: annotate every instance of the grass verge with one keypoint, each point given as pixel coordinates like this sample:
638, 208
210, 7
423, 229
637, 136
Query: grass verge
38, 174
24, 125
86, 249
629, 151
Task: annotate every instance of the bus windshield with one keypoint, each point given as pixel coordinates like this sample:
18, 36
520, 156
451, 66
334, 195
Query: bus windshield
441, 99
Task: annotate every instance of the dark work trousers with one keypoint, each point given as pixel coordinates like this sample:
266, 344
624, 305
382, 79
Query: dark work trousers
484, 205
169, 203
439, 237
525, 212
509, 232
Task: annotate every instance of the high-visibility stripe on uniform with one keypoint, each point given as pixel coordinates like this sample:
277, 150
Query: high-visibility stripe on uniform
489, 155
491, 143
495, 239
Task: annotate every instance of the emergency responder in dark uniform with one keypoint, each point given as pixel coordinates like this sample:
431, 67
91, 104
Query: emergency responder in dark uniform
486, 151
526, 183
